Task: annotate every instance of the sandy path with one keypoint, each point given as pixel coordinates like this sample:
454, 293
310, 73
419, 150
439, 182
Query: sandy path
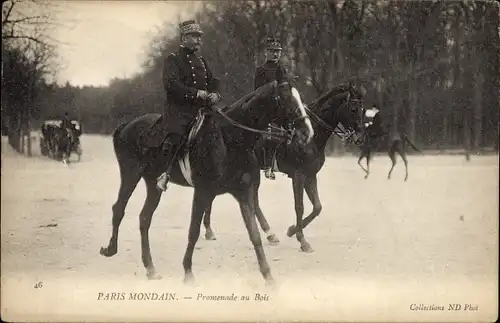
380, 245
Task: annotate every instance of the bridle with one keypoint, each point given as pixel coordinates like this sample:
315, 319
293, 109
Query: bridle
340, 130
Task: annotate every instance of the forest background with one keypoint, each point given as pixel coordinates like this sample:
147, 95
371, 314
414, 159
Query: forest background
432, 67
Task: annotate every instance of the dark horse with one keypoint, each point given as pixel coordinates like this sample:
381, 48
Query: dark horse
395, 145
62, 143
222, 161
339, 111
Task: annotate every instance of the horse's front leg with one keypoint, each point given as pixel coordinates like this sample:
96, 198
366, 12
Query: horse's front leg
361, 156
271, 237
247, 207
311, 188
152, 199
209, 234
298, 193
368, 157
201, 199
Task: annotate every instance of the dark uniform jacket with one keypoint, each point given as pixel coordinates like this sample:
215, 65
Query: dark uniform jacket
269, 72
67, 124
184, 73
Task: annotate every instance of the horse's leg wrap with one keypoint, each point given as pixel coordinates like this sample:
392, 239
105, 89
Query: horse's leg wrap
269, 161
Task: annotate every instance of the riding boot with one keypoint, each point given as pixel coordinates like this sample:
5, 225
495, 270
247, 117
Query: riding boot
169, 153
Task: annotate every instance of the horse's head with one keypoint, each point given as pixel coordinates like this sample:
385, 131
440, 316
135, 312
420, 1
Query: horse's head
291, 110
342, 108
352, 117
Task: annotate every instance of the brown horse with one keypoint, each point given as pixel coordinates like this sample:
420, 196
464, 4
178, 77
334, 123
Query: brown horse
339, 111
219, 159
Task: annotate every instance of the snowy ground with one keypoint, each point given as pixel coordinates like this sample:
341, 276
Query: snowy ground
380, 246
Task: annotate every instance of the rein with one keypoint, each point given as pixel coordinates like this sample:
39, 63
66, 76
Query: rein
341, 132
282, 134
263, 132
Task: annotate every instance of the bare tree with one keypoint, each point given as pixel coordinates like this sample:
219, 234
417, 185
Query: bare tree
26, 30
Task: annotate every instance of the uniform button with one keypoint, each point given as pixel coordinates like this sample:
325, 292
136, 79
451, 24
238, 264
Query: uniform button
193, 75
190, 62
194, 82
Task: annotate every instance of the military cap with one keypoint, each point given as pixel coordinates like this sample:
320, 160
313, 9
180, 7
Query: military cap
273, 44
190, 27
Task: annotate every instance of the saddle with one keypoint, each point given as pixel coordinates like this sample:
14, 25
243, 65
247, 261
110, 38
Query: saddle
157, 133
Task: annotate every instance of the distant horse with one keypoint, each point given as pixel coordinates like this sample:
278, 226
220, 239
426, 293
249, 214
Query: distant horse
338, 111
395, 145
218, 159
59, 143
47, 139
64, 140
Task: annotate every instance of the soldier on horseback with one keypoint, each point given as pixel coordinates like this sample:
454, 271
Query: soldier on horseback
373, 122
190, 86
66, 124
270, 71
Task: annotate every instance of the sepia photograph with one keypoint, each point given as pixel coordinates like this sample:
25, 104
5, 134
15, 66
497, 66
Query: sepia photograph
250, 161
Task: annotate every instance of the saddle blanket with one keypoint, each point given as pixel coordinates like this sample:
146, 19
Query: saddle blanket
183, 160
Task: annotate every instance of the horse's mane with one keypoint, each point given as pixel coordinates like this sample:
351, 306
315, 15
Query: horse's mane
251, 97
329, 94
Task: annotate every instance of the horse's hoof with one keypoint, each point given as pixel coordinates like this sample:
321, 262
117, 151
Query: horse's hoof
306, 247
271, 283
273, 239
366, 176
209, 235
108, 252
189, 279
153, 276
291, 231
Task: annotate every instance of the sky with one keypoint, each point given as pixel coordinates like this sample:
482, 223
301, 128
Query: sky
101, 40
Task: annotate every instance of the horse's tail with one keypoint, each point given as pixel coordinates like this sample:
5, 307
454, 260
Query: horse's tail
116, 134
411, 144
118, 143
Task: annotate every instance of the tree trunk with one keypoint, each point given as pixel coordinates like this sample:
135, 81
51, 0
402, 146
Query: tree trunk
446, 137
466, 133
27, 121
497, 131
478, 110
28, 139
412, 105
380, 96
21, 132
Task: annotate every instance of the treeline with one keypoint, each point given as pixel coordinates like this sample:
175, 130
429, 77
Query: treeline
432, 67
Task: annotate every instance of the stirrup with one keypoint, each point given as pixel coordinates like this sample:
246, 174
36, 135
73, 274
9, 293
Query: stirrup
162, 182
